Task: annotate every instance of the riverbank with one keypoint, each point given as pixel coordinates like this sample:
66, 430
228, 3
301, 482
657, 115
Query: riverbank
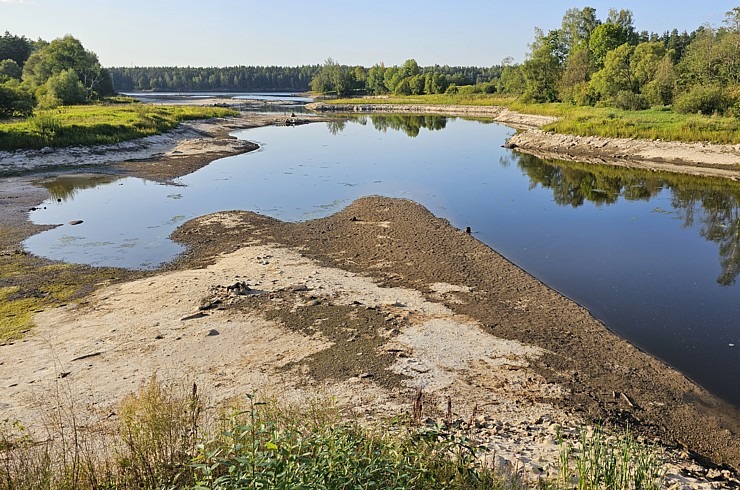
702, 159
367, 305
191, 145
497, 113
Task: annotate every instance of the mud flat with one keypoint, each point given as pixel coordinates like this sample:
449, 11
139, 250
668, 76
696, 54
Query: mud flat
370, 305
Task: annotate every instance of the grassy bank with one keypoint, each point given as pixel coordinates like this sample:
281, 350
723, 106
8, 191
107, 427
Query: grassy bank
593, 121
97, 124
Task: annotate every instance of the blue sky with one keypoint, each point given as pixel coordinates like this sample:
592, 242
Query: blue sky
291, 32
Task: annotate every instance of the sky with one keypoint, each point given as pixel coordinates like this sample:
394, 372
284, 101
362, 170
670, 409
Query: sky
292, 32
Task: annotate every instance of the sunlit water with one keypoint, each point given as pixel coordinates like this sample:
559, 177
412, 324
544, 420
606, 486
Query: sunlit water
654, 257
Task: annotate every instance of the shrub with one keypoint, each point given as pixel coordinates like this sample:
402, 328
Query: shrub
630, 101
700, 99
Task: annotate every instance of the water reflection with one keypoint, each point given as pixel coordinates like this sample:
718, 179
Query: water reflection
66, 187
712, 203
411, 125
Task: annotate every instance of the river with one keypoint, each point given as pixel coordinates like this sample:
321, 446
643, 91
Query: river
656, 257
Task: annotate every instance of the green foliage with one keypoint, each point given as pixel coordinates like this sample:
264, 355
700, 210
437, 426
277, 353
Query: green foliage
14, 100
98, 124
542, 70
630, 101
16, 48
159, 429
269, 447
232, 78
616, 74
605, 38
599, 461
64, 88
9, 69
702, 100
64, 55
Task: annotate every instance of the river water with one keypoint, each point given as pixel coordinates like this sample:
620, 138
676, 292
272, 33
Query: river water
656, 257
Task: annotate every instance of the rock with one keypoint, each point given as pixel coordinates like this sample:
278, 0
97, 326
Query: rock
45, 150
213, 332
194, 316
509, 145
76, 222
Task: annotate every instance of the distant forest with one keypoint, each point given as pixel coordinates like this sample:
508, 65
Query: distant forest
272, 78
587, 61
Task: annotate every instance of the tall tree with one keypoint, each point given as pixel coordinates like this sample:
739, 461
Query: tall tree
67, 53
577, 26
16, 48
542, 68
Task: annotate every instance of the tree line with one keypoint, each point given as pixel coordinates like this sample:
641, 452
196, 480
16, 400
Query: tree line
47, 74
330, 77
407, 79
588, 61
214, 79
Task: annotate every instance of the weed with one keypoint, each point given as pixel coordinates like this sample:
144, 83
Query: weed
600, 461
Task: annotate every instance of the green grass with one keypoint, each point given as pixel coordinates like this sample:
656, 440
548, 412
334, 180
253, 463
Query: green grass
593, 121
169, 436
97, 124
166, 438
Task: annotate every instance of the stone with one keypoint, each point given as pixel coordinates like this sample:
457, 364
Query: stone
213, 332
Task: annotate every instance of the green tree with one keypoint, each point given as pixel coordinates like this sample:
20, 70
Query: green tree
512, 80
605, 38
65, 87
616, 75
9, 69
644, 63
577, 73
577, 26
542, 69
15, 100
15, 48
67, 53
333, 78
701, 63
375, 83
659, 91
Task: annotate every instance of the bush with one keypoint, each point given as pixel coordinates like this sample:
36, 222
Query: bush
702, 100
630, 101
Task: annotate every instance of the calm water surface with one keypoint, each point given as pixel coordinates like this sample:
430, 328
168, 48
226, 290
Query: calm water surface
655, 257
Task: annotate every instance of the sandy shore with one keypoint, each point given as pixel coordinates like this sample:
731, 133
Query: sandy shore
704, 159
368, 305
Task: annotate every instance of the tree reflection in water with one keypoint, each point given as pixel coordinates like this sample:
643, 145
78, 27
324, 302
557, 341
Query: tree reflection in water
411, 125
712, 203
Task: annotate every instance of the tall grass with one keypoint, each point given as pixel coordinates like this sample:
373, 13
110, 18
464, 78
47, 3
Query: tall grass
165, 439
97, 124
599, 461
